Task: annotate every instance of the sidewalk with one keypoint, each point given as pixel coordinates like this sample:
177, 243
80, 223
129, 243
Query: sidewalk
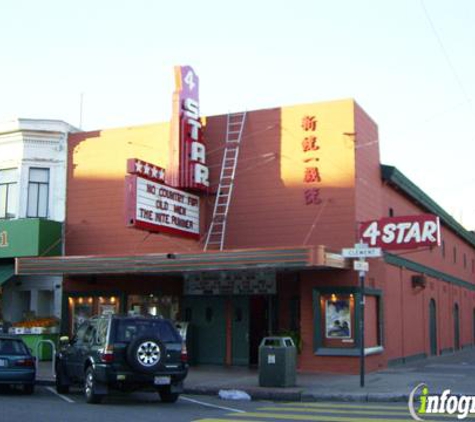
454, 371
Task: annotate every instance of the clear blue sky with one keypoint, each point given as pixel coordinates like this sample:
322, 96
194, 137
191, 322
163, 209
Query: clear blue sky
409, 63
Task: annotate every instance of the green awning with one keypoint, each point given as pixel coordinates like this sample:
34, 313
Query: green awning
6, 271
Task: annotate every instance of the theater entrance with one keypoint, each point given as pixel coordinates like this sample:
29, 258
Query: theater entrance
227, 330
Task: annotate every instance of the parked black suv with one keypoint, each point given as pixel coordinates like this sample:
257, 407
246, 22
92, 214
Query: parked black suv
125, 353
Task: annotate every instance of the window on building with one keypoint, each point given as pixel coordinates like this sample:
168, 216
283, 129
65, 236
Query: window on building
443, 248
455, 255
465, 260
38, 192
8, 193
391, 212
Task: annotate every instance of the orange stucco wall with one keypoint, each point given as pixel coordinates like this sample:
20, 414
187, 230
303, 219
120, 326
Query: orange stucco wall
269, 208
268, 205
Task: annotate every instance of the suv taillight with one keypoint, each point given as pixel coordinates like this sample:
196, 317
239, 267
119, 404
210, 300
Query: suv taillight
107, 355
184, 353
30, 362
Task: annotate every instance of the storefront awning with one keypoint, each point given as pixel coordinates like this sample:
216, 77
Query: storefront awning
303, 257
6, 271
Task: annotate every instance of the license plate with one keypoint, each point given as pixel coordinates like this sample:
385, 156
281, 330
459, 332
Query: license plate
3, 362
162, 380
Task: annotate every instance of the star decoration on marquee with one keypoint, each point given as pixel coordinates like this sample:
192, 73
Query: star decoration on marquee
144, 169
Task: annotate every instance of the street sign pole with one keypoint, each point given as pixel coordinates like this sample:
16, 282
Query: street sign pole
362, 342
361, 251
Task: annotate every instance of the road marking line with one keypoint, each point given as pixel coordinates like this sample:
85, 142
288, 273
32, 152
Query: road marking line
212, 405
223, 420
346, 405
52, 390
399, 412
320, 418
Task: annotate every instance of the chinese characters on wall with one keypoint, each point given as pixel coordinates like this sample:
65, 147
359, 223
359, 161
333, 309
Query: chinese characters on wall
310, 147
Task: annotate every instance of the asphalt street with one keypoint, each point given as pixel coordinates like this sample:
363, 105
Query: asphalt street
47, 406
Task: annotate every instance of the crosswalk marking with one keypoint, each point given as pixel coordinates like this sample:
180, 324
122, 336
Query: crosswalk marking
320, 418
395, 412
346, 405
329, 412
225, 420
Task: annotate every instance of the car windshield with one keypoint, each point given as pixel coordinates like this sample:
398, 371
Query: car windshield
130, 329
12, 347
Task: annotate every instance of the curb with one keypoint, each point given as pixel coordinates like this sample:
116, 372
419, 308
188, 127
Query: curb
296, 395
255, 393
355, 397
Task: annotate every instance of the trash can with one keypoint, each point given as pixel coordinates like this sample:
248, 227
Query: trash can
186, 333
277, 362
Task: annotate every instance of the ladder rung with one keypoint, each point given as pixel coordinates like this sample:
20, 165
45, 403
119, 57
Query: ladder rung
234, 130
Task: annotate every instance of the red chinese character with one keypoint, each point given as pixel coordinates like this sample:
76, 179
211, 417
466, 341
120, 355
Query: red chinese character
310, 144
312, 196
312, 175
309, 123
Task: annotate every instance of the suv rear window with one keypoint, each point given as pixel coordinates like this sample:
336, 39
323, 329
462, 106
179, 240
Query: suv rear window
12, 347
127, 330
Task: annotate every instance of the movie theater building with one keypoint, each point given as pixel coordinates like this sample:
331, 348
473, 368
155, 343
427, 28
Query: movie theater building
142, 236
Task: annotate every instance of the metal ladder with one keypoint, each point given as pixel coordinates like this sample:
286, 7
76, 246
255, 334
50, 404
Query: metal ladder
217, 228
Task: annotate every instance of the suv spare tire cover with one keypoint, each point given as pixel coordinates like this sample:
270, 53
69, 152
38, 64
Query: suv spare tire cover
145, 353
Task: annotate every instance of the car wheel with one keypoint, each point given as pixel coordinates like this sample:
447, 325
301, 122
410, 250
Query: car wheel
90, 386
28, 388
168, 397
145, 354
62, 384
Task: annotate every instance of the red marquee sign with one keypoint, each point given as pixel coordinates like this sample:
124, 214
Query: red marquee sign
406, 232
156, 207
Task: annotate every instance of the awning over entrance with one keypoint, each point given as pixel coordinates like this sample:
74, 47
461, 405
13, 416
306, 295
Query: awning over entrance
6, 271
303, 257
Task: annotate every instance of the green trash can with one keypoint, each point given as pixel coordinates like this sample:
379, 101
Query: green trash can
277, 362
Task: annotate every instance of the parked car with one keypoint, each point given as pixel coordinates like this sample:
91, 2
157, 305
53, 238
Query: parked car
17, 365
125, 353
